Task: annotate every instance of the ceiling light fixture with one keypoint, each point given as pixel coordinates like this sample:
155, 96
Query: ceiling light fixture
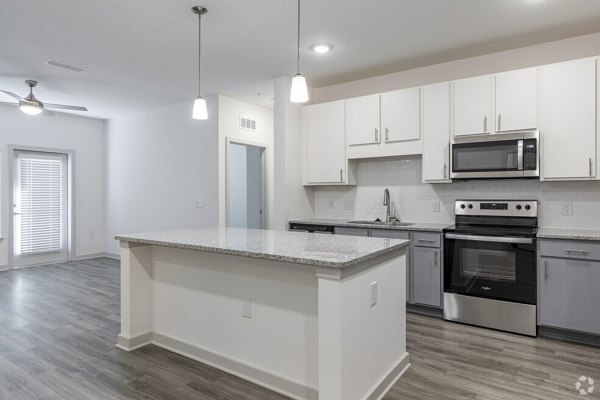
299, 91
321, 48
30, 109
200, 111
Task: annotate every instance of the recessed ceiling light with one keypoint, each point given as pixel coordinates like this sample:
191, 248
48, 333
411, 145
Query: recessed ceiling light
321, 48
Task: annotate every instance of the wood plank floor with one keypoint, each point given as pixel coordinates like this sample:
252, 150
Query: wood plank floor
58, 326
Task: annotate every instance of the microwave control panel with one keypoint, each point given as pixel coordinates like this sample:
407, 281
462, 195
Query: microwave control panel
529, 154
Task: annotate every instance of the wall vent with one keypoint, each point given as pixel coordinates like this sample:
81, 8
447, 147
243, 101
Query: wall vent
58, 64
248, 124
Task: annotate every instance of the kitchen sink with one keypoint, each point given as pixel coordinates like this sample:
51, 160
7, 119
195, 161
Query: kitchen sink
380, 223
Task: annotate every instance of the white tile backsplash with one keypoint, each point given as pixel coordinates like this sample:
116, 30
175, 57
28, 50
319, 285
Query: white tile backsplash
414, 200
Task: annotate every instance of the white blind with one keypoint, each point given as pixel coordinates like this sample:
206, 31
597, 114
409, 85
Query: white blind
40, 205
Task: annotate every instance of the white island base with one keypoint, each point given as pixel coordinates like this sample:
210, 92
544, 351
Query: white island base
308, 332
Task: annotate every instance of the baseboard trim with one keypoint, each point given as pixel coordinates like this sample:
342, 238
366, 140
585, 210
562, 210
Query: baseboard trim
134, 343
386, 383
115, 256
588, 339
89, 256
269, 380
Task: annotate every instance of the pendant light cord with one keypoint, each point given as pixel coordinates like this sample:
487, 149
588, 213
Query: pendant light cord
298, 59
199, 48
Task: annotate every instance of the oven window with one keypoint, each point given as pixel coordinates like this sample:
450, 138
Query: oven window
488, 156
488, 264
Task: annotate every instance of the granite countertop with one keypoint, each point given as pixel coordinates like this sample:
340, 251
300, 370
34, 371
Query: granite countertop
416, 226
569, 234
333, 251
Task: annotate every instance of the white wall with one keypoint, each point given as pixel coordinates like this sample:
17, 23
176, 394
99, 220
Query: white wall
546, 53
230, 111
414, 199
82, 135
158, 163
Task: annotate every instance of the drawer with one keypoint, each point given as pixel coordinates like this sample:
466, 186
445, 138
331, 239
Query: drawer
427, 239
570, 249
388, 233
342, 230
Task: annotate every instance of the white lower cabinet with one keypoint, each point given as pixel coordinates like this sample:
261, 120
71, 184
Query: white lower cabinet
567, 120
435, 125
325, 145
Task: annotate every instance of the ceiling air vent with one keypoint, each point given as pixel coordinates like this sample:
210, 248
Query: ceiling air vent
248, 124
58, 64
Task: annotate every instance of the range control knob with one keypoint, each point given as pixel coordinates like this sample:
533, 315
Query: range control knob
528, 207
470, 206
518, 207
462, 206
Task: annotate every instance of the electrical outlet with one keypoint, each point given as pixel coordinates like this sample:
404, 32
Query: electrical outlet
348, 205
199, 203
435, 206
91, 234
566, 208
373, 293
330, 204
247, 308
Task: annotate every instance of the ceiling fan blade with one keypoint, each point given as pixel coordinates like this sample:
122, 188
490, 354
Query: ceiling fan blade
9, 104
64, 107
13, 95
47, 113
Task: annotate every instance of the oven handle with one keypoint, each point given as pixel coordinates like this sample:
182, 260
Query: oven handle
496, 239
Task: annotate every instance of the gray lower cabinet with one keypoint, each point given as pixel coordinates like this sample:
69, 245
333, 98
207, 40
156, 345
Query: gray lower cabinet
569, 294
426, 273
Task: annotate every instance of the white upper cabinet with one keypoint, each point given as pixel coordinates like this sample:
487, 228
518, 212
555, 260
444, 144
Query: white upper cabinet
436, 133
400, 115
516, 100
472, 100
363, 120
325, 144
567, 119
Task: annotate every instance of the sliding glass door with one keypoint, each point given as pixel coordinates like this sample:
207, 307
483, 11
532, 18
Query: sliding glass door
40, 208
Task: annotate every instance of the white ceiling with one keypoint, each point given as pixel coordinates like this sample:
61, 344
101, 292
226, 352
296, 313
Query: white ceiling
139, 54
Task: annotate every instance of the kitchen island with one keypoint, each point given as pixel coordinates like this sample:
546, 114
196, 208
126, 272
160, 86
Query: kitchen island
309, 316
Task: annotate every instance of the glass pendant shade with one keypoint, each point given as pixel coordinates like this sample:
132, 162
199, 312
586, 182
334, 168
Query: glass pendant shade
299, 91
200, 111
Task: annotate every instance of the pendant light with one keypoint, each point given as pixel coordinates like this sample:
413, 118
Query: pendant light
299, 91
200, 111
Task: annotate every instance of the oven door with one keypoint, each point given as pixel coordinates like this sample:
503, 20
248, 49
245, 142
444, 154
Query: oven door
501, 268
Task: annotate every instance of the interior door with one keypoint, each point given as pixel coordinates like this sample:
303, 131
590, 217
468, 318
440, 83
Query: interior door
40, 208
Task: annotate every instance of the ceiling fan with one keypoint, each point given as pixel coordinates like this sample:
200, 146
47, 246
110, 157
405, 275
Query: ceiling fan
32, 106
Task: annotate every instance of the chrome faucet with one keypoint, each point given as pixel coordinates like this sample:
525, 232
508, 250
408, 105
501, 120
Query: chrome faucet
389, 217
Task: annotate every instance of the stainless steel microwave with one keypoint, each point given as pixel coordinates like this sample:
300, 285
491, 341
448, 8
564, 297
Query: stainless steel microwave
506, 155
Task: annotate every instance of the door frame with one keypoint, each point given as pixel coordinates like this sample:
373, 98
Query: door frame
265, 195
70, 197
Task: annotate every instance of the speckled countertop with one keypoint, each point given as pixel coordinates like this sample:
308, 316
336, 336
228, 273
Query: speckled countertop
333, 251
568, 234
417, 226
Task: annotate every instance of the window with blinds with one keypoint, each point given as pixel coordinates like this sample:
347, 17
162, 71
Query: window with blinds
40, 205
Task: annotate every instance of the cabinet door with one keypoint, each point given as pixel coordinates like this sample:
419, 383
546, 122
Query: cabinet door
516, 100
436, 132
400, 115
567, 101
325, 143
569, 295
362, 120
472, 105
426, 276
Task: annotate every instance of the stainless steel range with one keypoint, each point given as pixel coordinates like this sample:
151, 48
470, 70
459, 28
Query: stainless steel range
490, 275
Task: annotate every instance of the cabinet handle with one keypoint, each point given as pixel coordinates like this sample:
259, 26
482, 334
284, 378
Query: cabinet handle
485, 123
426, 241
545, 270
499, 122
584, 252
387, 135
435, 259
341, 175
376, 135
590, 163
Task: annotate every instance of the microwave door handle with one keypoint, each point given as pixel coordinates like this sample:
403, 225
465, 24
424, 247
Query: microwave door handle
496, 239
520, 155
